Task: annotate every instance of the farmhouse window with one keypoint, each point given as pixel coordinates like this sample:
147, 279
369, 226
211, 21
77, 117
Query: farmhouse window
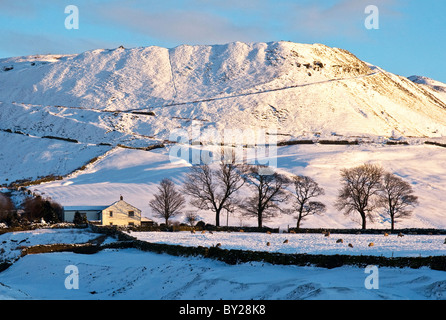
131, 213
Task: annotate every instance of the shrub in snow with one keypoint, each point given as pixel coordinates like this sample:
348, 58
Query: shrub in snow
80, 218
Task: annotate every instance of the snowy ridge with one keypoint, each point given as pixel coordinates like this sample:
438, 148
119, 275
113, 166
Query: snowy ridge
436, 88
300, 89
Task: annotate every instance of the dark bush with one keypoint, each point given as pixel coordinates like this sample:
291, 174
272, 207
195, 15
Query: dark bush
61, 138
38, 208
200, 225
339, 142
318, 64
293, 142
80, 218
7, 208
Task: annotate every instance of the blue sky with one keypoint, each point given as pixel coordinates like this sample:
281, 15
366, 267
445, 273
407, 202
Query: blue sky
411, 39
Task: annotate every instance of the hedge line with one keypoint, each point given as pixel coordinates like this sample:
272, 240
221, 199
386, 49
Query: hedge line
232, 256
435, 144
84, 248
210, 227
61, 138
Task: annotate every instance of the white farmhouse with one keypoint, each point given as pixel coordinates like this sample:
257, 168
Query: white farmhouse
119, 213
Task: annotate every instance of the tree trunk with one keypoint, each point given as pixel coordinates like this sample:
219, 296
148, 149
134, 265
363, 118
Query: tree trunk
227, 219
299, 217
298, 222
217, 218
364, 220
259, 220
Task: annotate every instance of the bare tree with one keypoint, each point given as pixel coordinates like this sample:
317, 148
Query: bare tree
168, 201
191, 218
360, 186
306, 189
268, 193
213, 189
396, 197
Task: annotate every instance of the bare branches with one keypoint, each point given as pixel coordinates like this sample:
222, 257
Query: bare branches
268, 192
360, 185
396, 197
368, 187
168, 201
305, 189
213, 189
364, 190
191, 218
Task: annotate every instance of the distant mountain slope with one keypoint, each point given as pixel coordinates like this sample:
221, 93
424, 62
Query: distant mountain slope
436, 88
302, 90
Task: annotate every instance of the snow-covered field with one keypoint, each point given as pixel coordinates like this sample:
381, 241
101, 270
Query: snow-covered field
11, 242
136, 275
387, 246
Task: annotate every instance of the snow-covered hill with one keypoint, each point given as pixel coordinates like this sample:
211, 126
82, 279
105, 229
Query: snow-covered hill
299, 89
102, 100
435, 87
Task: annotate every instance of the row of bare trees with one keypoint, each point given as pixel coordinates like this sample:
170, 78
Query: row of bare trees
368, 187
364, 189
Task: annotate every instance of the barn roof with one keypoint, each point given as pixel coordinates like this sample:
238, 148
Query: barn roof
85, 208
